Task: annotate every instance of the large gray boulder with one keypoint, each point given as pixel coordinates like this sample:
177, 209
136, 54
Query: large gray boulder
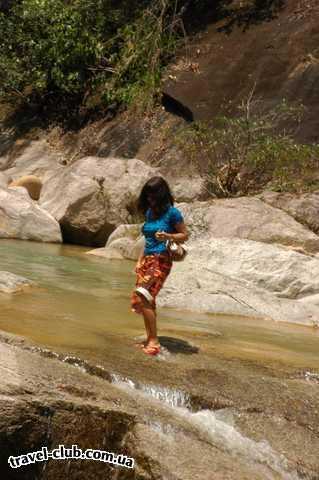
302, 207
22, 218
281, 271
247, 218
91, 197
11, 283
207, 281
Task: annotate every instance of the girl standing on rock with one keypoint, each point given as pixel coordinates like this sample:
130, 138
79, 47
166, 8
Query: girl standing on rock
163, 222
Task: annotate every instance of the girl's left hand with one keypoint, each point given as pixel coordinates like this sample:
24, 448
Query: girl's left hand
162, 236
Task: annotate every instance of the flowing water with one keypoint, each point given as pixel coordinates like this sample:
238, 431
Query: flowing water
81, 299
80, 308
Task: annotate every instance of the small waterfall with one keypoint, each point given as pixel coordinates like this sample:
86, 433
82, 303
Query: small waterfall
172, 397
81, 364
224, 435
213, 427
216, 427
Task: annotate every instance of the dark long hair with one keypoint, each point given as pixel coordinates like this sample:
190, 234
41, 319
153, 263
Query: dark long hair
159, 189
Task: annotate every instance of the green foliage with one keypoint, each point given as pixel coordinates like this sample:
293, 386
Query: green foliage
47, 44
144, 47
59, 48
242, 155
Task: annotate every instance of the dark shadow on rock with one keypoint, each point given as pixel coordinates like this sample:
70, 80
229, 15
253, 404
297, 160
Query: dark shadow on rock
176, 345
175, 107
246, 16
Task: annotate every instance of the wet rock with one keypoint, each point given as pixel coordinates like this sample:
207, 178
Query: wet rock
31, 183
22, 218
93, 196
44, 402
11, 283
303, 207
37, 411
108, 253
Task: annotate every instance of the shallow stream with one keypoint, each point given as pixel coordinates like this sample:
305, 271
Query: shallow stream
80, 308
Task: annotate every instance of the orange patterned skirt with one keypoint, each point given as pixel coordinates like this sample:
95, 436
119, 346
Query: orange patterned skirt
151, 276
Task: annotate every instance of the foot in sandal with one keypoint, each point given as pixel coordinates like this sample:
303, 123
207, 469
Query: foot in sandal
152, 349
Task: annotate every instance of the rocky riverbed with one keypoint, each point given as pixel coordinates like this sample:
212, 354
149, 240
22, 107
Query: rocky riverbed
219, 403
227, 398
255, 256
196, 416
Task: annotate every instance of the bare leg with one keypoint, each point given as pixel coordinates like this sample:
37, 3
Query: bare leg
149, 315
147, 328
139, 308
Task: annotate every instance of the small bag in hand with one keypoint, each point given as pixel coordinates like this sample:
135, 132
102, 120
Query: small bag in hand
176, 250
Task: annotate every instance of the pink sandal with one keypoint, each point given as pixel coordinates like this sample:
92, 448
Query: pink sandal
151, 350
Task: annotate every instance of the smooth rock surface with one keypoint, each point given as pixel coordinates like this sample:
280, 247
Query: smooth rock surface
284, 272
31, 183
93, 196
22, 218
201, 283
35, 158
232, 276
125, 242
11, 283
302, 207
188, 189
247, 218
4, 180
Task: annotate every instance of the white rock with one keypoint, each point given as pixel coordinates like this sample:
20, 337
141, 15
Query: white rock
249, 218
21, 217
37, 158
195, 285
125, 242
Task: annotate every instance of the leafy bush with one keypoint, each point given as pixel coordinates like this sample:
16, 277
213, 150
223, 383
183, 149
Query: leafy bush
47, 45
53, 49
242, 155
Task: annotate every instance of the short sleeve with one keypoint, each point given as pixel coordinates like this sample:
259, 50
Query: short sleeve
176, 216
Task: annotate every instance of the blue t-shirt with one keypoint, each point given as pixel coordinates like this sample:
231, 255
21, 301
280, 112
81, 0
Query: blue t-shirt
165, 223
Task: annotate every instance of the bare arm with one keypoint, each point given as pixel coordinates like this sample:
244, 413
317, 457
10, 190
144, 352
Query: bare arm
179, 237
